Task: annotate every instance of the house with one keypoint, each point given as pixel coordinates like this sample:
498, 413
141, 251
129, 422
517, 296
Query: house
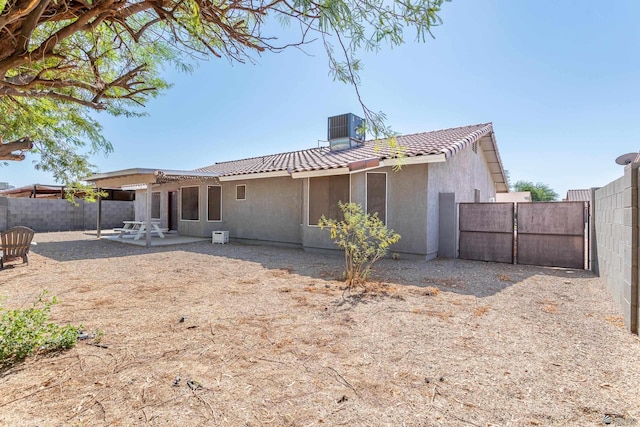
279, 198
514, 197
581, 195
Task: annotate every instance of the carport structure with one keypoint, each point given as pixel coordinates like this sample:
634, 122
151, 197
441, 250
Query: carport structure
139, 179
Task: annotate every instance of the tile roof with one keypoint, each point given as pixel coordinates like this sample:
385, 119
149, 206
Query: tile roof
446, 141
578, 196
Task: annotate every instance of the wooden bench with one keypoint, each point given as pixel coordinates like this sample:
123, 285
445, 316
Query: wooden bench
15, 244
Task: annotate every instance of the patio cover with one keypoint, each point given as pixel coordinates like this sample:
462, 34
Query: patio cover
140, 178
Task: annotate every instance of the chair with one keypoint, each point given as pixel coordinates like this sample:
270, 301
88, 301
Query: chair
16, 243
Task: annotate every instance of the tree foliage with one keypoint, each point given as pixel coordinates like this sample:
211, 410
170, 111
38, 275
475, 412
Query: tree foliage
61, 60
539, 192
363, 237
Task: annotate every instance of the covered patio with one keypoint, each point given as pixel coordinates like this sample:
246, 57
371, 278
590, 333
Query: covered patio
145, 179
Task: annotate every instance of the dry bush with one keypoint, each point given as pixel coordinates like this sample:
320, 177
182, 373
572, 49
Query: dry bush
549, 307
448, 283
615, 321
505, 278
430, 291
479, 311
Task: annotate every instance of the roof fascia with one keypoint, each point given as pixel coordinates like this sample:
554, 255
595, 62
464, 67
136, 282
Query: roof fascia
260, 175
321, 172
191, 174
416, 160
120, 173
138, 177
501, 184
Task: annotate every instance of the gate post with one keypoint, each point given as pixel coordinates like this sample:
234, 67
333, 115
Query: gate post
593, 239
448, 226
630, 241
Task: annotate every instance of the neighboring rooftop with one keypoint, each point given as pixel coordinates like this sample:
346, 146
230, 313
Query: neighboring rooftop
442, 143
578, 195
38, 191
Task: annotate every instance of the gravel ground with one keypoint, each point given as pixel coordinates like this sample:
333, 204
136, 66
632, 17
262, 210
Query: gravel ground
269, 337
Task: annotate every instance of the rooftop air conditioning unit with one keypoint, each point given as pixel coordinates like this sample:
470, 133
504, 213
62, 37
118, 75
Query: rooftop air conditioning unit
345, 131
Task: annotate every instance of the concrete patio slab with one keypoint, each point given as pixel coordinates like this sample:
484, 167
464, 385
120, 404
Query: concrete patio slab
169, 239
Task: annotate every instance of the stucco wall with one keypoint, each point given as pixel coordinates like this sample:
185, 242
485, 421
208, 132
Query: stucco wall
59, 215
141, 202
461, 174
271, 212
312, 236
615, 219
406, 207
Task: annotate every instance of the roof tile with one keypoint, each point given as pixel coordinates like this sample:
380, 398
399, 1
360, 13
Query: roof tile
445, 141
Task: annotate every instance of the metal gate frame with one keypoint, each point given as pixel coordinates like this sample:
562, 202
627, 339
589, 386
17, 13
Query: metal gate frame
531, 233
486, 232
552, 234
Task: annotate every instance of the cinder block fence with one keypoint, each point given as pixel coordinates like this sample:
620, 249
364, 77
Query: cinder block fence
60, 215
615, 242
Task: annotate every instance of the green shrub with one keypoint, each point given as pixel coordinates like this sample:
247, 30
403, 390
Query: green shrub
363, 237
25, 331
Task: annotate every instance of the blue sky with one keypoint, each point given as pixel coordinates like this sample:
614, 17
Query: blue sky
560, 80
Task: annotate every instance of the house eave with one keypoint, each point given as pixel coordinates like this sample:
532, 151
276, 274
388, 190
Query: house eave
321, 172
260, 175
416, 160
492, 156
143, 176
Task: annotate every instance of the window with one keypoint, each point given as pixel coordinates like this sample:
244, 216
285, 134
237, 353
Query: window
155, 205
476, 195
241, 192
190, 204
214, 203
377, 195
324, 194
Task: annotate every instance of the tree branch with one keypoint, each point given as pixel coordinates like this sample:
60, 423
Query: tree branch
7, 149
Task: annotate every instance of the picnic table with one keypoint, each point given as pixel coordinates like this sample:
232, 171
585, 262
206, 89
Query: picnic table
139, 228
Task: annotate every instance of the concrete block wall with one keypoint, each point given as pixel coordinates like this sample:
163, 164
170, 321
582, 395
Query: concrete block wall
43, 215
615, 219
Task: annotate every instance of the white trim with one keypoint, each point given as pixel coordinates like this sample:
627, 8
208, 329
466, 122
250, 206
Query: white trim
143, 176
386, 194
321, 172
381, 165
245, 192
214, 220
134, 187
308, 221
416, 160
180, 203
260, 175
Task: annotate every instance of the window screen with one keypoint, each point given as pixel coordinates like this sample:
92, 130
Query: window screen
155, 205
190, 208
377, 195
324, 194
214, 200
241, 192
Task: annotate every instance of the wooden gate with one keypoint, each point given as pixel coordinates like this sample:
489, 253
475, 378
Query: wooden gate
552, 234
545, 233
486, 231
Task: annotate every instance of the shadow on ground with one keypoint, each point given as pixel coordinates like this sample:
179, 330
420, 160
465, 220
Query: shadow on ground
476, 278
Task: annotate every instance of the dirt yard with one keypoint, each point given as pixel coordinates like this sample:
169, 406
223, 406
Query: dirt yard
240, 335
